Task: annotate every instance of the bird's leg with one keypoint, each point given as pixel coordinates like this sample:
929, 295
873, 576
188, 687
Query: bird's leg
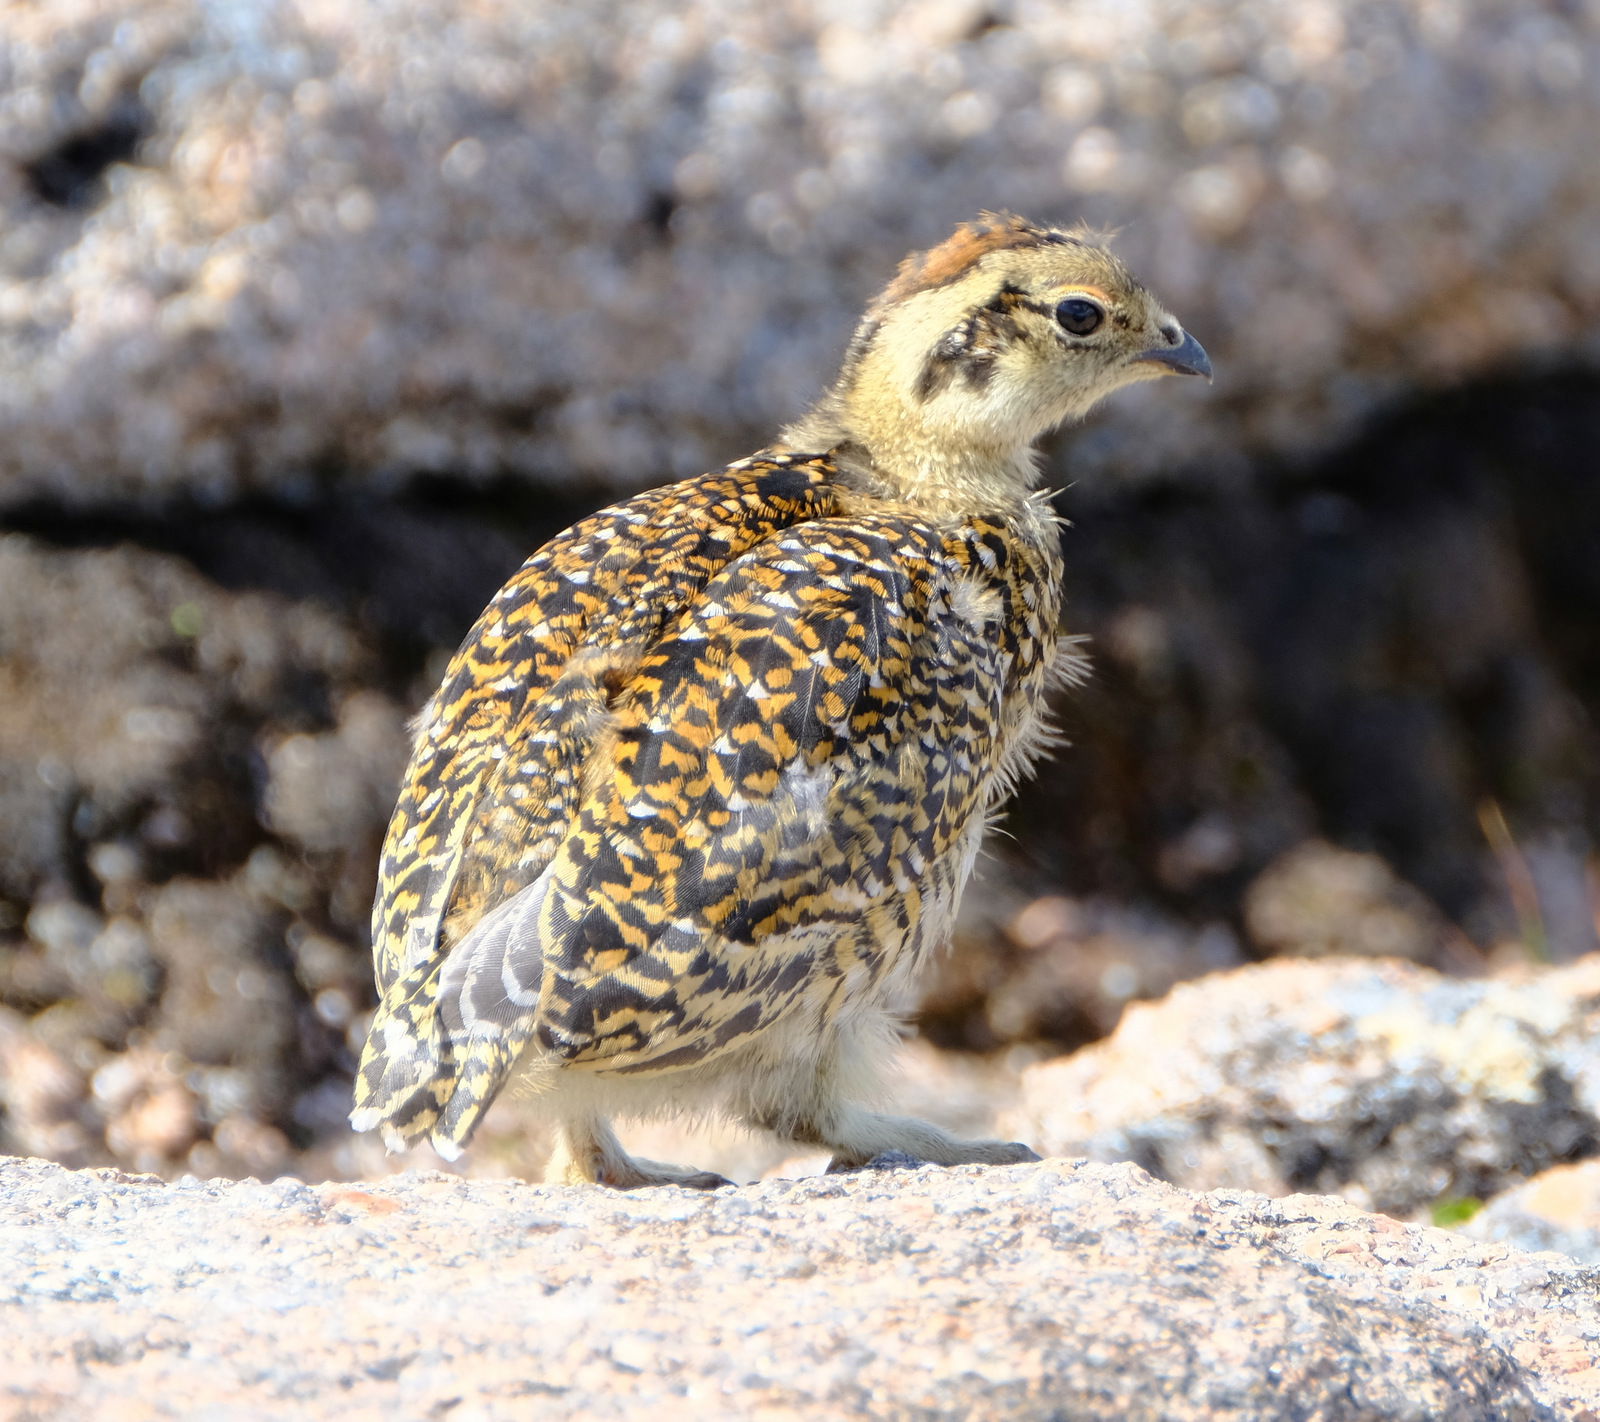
587, 1152
857, 1136
811, 1105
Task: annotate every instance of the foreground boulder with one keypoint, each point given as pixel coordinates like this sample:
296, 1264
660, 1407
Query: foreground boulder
1046, 1291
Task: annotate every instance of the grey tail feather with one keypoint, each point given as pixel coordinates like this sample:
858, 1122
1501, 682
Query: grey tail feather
492, 976
488, 1002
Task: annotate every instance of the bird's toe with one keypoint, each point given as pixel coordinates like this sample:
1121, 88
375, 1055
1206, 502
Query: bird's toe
884, 1160
703, 1180
633, 1173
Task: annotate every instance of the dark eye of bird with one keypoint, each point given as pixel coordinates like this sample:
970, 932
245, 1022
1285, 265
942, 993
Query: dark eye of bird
1078, 316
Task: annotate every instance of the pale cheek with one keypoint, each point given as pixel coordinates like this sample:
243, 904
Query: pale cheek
1024, 404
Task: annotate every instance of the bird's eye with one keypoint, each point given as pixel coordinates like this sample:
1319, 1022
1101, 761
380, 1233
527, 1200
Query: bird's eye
1079, 316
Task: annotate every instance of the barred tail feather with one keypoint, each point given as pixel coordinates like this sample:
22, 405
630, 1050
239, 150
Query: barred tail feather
407, 1067
486, 1060
489, 1000
444, 1043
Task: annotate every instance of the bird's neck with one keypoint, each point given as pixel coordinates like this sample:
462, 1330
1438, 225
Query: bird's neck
888, 448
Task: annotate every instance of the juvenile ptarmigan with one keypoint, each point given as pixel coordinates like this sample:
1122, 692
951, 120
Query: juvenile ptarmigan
701, 789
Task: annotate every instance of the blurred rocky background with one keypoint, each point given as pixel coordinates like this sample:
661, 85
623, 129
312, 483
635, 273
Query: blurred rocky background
316, 318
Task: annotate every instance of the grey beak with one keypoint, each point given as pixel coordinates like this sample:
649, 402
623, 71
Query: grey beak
1188, 357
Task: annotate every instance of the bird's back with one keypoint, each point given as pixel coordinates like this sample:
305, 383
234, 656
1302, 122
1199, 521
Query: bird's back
500, 751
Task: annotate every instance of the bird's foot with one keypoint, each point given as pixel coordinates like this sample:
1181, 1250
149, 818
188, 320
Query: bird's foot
996, 1153
884, 1160
863, 1139
632, 1173
1009, 1153
587, 1152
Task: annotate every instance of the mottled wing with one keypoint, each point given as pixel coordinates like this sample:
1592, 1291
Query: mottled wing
792, 766
497, 772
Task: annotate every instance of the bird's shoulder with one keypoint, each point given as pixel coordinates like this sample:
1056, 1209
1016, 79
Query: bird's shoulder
876, 588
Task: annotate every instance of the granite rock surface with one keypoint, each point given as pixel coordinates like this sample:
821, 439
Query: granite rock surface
1043, 1291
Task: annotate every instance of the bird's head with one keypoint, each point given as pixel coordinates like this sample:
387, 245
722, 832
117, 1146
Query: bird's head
986, 342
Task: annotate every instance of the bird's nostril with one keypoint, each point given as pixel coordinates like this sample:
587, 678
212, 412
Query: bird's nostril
1171, 334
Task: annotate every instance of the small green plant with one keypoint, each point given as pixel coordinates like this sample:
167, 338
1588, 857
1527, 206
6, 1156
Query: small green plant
1455, 1210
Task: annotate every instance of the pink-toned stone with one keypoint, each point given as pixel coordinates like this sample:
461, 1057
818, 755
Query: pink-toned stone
1058, 1289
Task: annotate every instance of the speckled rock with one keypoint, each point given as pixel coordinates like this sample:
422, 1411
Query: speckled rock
245, 245
1558, 1209
1037, 1292
1382, 1081
128, 678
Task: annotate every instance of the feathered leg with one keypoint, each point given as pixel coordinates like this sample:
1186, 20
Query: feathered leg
819, 1112
856, 1137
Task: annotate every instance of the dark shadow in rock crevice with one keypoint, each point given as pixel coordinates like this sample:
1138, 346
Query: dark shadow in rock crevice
70, 174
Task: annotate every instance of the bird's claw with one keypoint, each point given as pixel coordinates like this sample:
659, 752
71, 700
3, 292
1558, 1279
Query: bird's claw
884, 1160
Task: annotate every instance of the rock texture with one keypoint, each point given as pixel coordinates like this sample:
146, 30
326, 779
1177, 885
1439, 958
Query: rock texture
1387, 1083
1036, 1292
1558, 1209
253, 247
